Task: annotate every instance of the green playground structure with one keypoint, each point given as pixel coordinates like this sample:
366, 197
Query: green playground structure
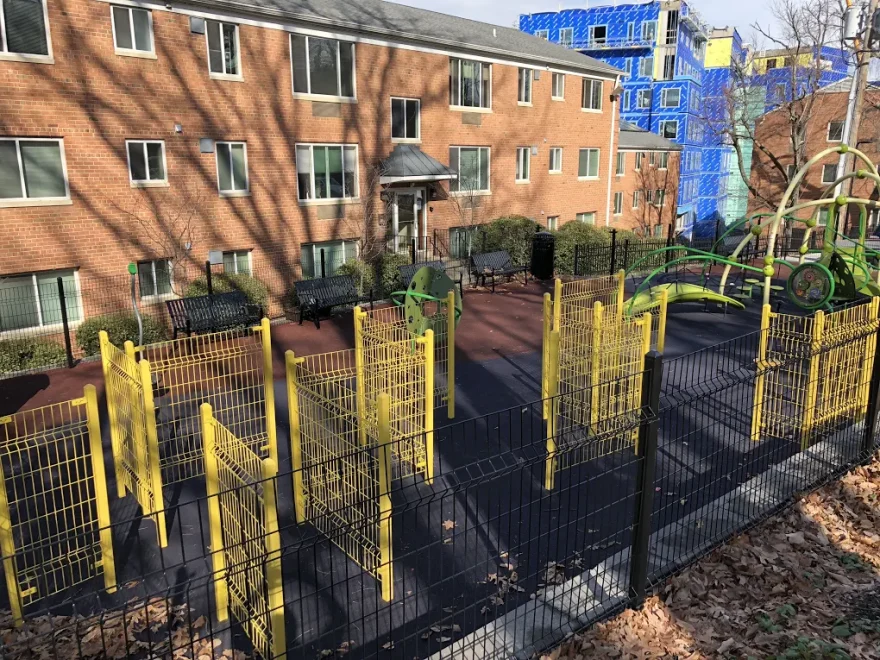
822, 277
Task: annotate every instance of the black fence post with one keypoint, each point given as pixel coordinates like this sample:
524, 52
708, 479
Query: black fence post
648, 431
323, 265
64, 323
626, 254
717, 232
483, 249
873, 402
577, 254
412, 251
611, 269
208, 281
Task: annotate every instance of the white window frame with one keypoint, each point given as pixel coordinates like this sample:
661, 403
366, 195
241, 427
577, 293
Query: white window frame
637, 194
644, 30
662, 125
313, 200
330, 98
553, 86
567, 43
316, 247
628, 67
553, 223
660, 197
224, 76
49, 58
598, 164
592, 82
235, 253
664, 97
157, 296
483, 107
640, 160
618, 203
247, 177
525, 83
133, 52
147, 183
583, 215
640, 96
664, 161
418, 137
37, 201
523, 164
620, 169
543, 34
554, 151
42, 329
650, 67
481, 149
842, 127
833, 176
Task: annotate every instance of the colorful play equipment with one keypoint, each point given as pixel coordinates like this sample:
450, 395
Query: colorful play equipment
840, 271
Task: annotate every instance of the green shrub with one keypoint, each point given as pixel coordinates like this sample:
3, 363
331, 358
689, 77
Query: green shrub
24, 354
254, 289
363, 274
120, 327
513, 234
583, 235
389, 272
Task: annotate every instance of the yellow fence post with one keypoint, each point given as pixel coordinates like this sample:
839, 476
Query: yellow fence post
299, 497
212, 480
151, 451
102, 503
360, 384
758, 407
621, 291
557, 304
868, 361
661, 329
112, 415
269, 389
596, 363
812, 379
385, 572
274, 581
545, 352
450, 355
7, 549
552, 408
428, 340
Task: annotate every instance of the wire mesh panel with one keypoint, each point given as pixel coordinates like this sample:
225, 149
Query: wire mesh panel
232, 371
341, 474
245, 540
54, 513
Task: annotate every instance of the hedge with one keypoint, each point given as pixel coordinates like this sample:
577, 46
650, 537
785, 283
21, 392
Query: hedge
364, 274
514, 234
580, 234
254, 289
120, 327
24, 354
388, 269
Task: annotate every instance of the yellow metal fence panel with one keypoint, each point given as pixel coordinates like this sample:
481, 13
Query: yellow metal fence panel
54, 513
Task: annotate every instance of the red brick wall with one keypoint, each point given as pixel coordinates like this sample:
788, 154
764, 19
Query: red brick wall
646, 217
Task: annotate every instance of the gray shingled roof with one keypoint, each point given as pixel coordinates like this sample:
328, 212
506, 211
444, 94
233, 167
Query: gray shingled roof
407, 160
633, 137
378, 19
843, 87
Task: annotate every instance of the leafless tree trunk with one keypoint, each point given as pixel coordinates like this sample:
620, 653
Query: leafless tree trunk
370, 223
466, 202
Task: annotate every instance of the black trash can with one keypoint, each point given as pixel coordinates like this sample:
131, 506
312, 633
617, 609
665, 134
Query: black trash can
543, 250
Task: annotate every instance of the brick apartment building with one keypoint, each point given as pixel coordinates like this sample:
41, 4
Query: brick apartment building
159, 133
824, 130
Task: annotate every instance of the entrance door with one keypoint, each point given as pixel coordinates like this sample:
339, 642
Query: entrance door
407, 224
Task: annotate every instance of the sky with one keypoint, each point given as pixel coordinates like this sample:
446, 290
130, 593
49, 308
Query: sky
718, 13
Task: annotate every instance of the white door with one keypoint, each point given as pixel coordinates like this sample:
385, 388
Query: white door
408, 221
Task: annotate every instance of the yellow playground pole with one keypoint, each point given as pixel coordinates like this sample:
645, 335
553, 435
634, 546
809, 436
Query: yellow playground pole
545, 348
274, 582
596, 362
102, 503
428, 341
552, 392
661, 330
215, 523
151, 451
360, 381
299, 498
269, 389
621, 291
758, 408
812, 379
386, 572
557, 304
112, 416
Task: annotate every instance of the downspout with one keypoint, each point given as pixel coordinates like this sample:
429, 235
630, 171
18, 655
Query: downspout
611, 155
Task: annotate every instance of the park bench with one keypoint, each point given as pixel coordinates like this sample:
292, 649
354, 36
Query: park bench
408, 271
323, 294
212, 313
496, 264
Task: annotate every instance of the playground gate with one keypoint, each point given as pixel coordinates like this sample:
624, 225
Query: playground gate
245, 539
813, 372
341, 463
54, 514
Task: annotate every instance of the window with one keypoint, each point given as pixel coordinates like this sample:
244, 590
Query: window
523, 157
525, 86
132, 30
32, 169
598, 35
652, 158
324, 67
668, 67
660, 197
772, 63
32, 300
335, 254
779, 94
591, 98
669, 129
824, 214
566, 37
646, 67
628, 67
618, 203
558, 87
470, 83
637, 195
790, 171
649, 196
670, 98
155, 278
664, 160
232, 174
643, 99
327, 171
835, 131
472, 165
627, 99
405, 119
24, 27
588, 164
237, 262
630, 32
829, 173
543, 34
553, 222
556, 159
671, 27
588, 218
621, 163
146, 162
639, 158
649, 31
658, 231
223, 55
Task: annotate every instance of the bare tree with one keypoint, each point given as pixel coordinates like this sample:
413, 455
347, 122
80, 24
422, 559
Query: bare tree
369, 223
658, 185
466, 202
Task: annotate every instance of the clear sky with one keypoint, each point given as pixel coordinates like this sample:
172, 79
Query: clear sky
718, 13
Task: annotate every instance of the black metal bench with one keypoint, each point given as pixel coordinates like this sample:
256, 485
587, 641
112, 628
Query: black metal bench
323, 294
496, 264
409, 271
213, 313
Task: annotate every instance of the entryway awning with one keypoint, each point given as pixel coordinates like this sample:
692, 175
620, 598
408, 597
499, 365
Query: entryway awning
409, 164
